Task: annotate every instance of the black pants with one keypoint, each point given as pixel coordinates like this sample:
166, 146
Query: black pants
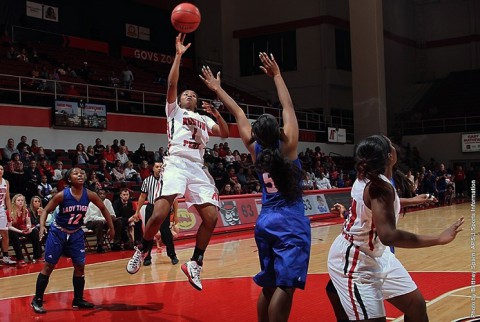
32, 238
166, 234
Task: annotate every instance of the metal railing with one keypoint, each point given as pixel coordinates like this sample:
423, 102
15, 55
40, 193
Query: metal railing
43, 92
441, 125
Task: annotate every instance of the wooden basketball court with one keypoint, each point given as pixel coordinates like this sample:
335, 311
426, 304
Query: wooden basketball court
161, 292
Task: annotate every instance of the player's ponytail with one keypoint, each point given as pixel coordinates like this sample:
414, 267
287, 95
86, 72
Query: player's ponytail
371, 157
285, 175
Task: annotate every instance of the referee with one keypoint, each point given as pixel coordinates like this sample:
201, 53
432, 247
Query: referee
151, 189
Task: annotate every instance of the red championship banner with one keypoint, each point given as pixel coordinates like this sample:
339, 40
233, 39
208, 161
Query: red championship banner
142, 54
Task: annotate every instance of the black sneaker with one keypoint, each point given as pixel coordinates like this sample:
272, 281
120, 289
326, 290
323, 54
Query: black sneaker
37, 305
100, 249
174, 260
82, 304
116, 247
147, 262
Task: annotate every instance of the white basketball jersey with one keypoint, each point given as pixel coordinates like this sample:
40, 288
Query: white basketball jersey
187, 133
3, 192
359, 228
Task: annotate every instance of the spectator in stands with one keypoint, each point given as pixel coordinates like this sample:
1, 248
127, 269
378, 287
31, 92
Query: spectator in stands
109, 155
127, 78
95, 221
15, 174
459, 180
307, 182
118, 172
322, 183
71, 72
140, 154
34, 146
121, 155
81, 156
232, 176
113, 80
72, 93
45, 191
145, 171
92, 159
131, 174
226, 190
22, 143
222, 152
98, 148
52, 85
229, 158
32, 177
22, 226
9, 150
115, 146
103, 172
23, 56
35, 74
41, 154
252, 178
122, 143
236, 156
58, 172
158, 156
26, 155
62, 71
35, 207
46, 169
215, 153
124, 210
410, 176
237, 189
257, 188
242, 178
12, 53
441, 178
93, 183
85, 72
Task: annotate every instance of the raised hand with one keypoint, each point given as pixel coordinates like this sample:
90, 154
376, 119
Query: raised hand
212, 82
209, 108
270, 66
451, 232
179, 46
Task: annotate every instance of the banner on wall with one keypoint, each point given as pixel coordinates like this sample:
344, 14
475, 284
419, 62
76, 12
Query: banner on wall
50, 13
337, 135
137, 32
34, 10
74, 115
471, 142
242, 212
142, 54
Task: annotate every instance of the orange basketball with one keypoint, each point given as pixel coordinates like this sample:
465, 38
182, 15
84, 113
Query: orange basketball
186, 18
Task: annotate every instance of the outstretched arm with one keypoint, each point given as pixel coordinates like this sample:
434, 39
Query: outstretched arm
175, 70
244, 126
290, 124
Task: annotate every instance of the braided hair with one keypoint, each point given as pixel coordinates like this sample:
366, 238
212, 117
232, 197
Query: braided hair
285, 174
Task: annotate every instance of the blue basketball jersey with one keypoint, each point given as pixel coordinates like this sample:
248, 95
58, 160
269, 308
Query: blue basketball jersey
271, 197
72, 212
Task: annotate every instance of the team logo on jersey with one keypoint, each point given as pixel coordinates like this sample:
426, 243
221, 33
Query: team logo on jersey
229, 213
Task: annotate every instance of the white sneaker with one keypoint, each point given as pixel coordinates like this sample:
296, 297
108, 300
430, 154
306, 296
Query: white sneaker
193, 270
7, 260
136, 261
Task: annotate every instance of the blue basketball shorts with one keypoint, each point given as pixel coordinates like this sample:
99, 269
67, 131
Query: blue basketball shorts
283, 237
61, 243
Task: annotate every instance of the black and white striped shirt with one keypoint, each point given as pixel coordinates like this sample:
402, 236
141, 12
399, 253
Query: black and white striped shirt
152, 187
